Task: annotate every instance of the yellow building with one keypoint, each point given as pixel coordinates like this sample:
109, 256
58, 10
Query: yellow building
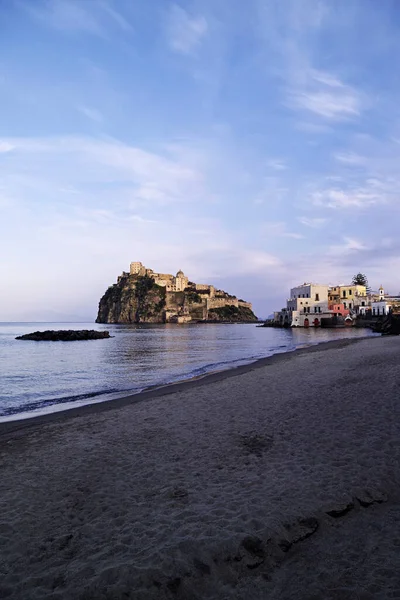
352, 295
334, 295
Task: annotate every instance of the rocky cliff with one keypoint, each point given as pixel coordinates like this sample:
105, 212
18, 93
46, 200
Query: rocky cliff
138, 299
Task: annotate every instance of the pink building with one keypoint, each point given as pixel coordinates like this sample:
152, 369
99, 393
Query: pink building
339, 310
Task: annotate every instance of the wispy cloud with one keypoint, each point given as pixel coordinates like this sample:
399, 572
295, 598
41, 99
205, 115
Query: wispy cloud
348, 246
325, 95
314, 222
76, 16
362, 197
116, 16
279, 229
292, 33
185, 32
5, 147
331, 106
349, 158
91, 113
70, 161
66, 15
276, 164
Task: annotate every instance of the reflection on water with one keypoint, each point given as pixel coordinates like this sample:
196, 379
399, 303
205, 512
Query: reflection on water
34, 375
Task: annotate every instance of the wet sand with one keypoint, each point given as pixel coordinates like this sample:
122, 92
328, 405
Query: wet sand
275, 480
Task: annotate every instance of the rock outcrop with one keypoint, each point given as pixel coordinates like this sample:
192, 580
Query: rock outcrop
139, 299
69, 335
389, 325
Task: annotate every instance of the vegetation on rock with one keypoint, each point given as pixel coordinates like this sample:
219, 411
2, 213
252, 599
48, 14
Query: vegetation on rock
232, 314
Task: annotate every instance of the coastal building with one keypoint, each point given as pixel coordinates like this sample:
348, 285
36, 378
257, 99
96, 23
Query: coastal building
312, 305
339, 310
378, 304
334, 295
307, 305
353, 296
381, 307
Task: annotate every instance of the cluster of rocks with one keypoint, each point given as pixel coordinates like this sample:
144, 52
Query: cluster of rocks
63, 335
390, 325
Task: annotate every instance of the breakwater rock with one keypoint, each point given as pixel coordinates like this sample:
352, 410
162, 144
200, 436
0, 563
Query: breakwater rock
69, 335
390, 325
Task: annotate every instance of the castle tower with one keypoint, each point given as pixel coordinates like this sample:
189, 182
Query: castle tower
381, 293
181, 281
135, 268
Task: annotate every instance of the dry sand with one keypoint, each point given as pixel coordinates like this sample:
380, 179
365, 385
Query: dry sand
279, 480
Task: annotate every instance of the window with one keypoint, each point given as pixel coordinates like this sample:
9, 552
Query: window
344, 293
344, 304
317, 297
349, 304
350, 292
315, 309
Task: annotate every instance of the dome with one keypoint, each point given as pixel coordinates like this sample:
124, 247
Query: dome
180, 273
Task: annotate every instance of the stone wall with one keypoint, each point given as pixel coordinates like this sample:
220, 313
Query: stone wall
220, 302
245, 304
203, 287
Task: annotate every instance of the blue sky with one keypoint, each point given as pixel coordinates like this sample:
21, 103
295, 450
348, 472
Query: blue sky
253, 144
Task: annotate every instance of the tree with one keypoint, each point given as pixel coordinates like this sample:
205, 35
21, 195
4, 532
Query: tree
360, 279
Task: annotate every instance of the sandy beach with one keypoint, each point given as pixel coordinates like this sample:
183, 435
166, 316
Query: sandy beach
274, 480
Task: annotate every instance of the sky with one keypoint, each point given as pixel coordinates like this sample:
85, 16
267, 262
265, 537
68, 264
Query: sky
254, 145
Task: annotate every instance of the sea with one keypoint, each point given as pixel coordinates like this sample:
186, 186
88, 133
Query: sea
43, 377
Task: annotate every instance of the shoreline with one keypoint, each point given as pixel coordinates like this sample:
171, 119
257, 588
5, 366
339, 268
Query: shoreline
155, 391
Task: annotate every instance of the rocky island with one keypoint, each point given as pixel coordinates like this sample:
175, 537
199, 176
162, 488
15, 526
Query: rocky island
62, 335
143, 296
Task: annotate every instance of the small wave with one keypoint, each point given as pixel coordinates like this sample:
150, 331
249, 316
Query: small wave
40, 404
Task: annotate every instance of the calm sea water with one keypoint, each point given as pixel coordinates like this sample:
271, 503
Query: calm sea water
37, 377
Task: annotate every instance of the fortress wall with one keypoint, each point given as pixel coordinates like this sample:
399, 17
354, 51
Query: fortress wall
201, 286
246, 304
198, 310
204, 287
174, 299
196, 305
162, 279
220, 302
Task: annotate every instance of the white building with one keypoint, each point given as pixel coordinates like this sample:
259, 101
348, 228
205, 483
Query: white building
306, 305
381, 307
